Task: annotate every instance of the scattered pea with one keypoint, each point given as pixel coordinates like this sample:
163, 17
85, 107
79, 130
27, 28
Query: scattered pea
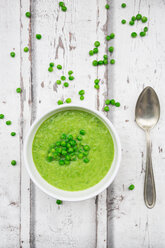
107, 102
13, 133
66, 84
91, 52
82, 98
123, 5
138, 17
131, 23
117, 104
95, 50
133, 34
2, 116
38, 36
96, 81
111, 49
82, 132
133, 18
97, 43
51, 64
112, 102
64, 8
112, 61
12, 54
100, 62
105, 61
86, 160
131, 187
60, 102
145, 29
63, 78
108, 37
68, 100
79, 138
13, 162
58, 82
8, 123
112, 35
59, 67
71, 78
142, 34
61, 4
26, 49
106, 108
59, 202
144, 19
18, 90
70, 72
96, 86
123, 21
94, 62
107, 6
86, 148
50, 69
105, 56
28, 14
81, 92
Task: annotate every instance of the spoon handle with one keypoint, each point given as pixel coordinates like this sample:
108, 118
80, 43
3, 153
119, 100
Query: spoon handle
149, 183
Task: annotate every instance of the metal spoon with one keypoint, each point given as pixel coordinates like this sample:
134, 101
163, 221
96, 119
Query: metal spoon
147, 113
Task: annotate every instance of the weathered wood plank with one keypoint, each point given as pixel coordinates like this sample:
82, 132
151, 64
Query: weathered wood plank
139, 63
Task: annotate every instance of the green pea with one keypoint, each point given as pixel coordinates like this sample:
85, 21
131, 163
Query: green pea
94, 62
12, 54
100, 62
96, 81
68, 100
112, 35
111, 49
63, 136
64, 8
18, 90
58, 150
2, 116
145, 29
60, 102
70, 150
106, 108
112, 102
123, 5
70, 72
108, 37
64, 153
63, 143
38, 36
133, 18
58, 143
131, 23
131, 187
134, 34
79, 138
13, 162
105, 56
105, 61
28, 14
26, 49
117, 104
85, 153
97, 43
95, 50
144, 19
96, 86
91, 52
80, 155
112, 61
67, 162
107, 102
61, 4
73, 142
81, 98
81, 92
63, 78
58, 82
107, 6
86, 148
68, 158
86, 160
51, 64
8, 123
142, 34
50, 158
13, 133
61, 162
71, 78
70, 137
59, 67
50, 69
123, 21
82, 132
66, 84
138, 17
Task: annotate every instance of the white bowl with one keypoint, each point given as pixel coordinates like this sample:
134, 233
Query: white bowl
68, 195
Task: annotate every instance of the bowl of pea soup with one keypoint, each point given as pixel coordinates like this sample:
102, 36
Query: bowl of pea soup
72, 153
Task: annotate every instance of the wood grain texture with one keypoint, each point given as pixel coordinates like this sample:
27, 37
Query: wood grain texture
116, 218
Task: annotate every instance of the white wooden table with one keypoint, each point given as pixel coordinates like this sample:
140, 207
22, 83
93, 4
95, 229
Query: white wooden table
116, 218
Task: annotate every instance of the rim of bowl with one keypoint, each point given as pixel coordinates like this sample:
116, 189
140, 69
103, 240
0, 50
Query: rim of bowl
101, 189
